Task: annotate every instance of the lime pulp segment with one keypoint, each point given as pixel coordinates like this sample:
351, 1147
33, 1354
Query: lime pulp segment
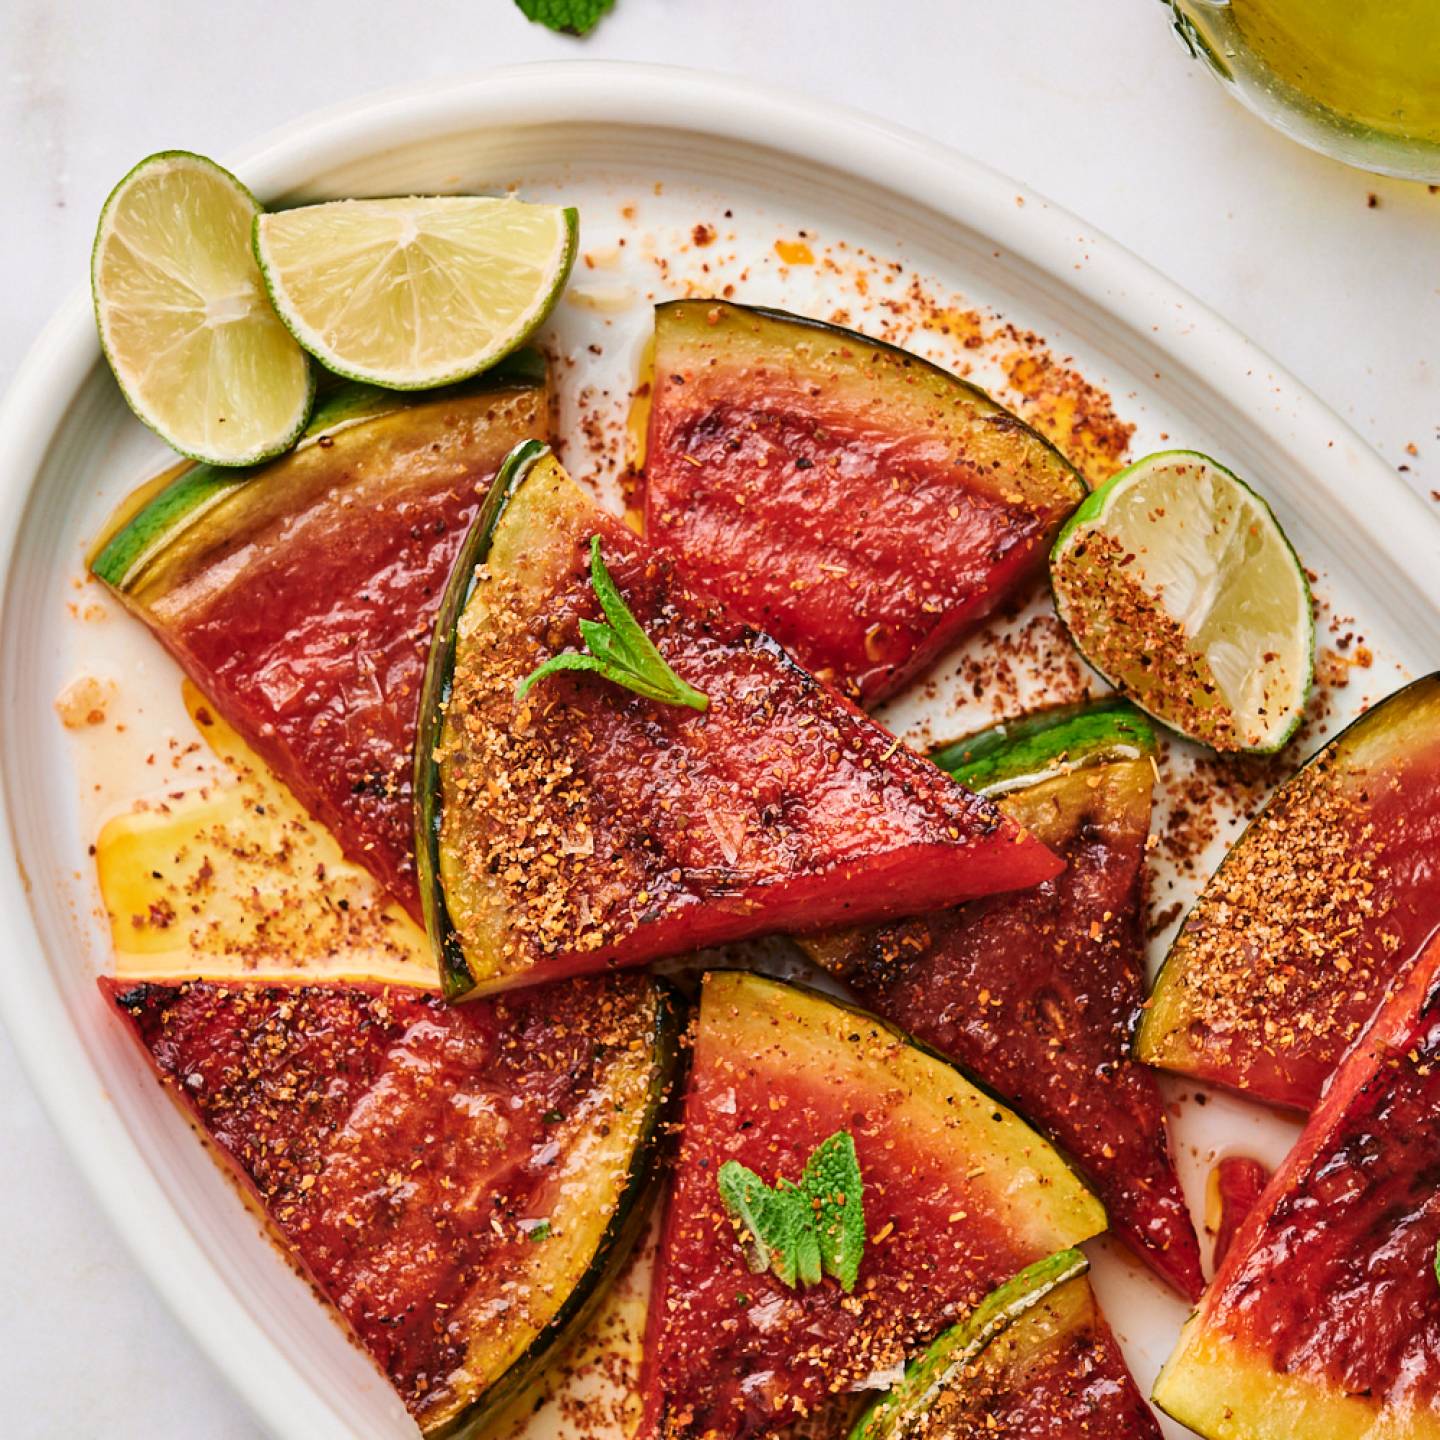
410, 293
183, 319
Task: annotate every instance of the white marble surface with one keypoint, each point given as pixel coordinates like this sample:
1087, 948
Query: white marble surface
1094, 105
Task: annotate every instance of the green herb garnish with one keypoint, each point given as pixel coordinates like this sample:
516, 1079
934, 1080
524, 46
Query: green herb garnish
802, 1231
538, 1232
1437, 1262
570, 17
621, 651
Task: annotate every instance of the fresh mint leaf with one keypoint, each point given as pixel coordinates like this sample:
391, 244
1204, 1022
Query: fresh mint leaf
803, 1231
832, 1182
628, 636
618, 650
808, 1268
603, 643
773, 1221
570, 17
745, 1195
566, 660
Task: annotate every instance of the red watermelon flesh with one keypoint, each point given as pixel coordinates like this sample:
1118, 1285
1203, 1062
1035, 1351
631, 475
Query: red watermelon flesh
302, 604
1324, 1318
1037, 994
958, 1195
407, 1152
854, 501
583, 825
1055, 1373
1237, 1183
1325, 898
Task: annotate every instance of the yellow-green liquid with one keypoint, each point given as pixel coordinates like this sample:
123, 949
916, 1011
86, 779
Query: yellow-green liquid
1375, 62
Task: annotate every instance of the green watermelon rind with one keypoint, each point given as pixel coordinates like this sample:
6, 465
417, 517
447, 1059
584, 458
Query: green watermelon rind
456, 978
901, 1410
1033, 748
125, 556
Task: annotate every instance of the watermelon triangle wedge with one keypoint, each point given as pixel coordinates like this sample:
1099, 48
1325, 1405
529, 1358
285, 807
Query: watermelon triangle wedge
577, 824
1035, 1360
1323, 1321
1328, 895
1037, 993
860, 504
300, 596
459, 1182
957, 1195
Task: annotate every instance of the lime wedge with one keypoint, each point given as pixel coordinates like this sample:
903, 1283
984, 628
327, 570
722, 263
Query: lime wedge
419, 292
1178, 585
183, 318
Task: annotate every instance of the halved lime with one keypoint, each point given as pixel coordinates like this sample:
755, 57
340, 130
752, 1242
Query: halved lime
418, 292
183, 318
1178, 585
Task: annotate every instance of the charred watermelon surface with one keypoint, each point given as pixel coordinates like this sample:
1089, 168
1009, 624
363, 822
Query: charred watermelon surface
858, 503
455, 1181
583, 825
1321, 903
1037, 995
1323, 1322
958, 1195
301, 598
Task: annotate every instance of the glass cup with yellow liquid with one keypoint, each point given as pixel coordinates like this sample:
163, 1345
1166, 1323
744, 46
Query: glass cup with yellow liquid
1356, 79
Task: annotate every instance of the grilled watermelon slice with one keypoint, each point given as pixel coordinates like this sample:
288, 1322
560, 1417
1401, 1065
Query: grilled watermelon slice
855, 501
958, 1195
1319, 905
1034, 1361
232, 880
583, 825
457, 1182
1037, 993
1323, 1322
300, 596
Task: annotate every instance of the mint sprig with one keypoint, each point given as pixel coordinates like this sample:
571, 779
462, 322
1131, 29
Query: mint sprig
620, 651
570, 17
802, 1231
